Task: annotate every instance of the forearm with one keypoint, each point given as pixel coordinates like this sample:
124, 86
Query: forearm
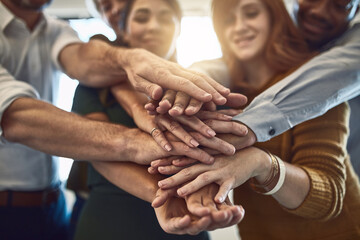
46, 128
94, 64
296, 185
130, 177
131, 100
295, 188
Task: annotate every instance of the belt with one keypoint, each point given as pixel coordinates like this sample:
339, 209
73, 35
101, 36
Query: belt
28, 199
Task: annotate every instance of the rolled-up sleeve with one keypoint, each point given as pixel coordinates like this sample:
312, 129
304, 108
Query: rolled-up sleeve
63, 35
11, 89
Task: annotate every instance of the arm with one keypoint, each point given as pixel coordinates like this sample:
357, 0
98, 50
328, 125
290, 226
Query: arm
10, 89
98, 64
57, 132
314, 185
176, 216
173, 216
322, 83
46, 128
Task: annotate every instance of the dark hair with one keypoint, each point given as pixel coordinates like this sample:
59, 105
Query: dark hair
285, 49
174, 5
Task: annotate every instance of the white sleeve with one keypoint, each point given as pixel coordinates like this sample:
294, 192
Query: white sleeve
11, 89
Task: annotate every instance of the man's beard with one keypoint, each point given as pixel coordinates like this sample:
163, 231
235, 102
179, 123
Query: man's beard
29, 5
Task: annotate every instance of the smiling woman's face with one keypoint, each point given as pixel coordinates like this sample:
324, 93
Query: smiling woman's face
247, 29
153, 25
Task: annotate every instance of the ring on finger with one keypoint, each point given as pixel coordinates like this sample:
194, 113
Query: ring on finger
152, 131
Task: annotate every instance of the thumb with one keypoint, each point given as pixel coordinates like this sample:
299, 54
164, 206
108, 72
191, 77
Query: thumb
223, 192
162, 196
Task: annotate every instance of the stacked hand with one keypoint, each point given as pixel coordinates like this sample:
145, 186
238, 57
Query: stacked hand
204, 204
197, 212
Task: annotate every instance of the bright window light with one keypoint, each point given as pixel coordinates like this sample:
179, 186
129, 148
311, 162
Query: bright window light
196, 42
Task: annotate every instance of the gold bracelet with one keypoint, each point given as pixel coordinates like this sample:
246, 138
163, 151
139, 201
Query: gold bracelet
269, 182
281, 179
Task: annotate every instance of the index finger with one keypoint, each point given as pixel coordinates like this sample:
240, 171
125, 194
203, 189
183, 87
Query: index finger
217, 91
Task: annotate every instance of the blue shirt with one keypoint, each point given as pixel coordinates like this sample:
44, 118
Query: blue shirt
322, 83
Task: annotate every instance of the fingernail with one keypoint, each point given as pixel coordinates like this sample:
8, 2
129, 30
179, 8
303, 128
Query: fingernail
181, 192
211, 132
161, 184
194, 142
245, 130
177, 108
227, 117
168, 147
242, 210
221, 100
232, 150
211, 160
207, 95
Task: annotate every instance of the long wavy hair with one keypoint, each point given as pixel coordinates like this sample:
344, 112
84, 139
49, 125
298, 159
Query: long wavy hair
285, 49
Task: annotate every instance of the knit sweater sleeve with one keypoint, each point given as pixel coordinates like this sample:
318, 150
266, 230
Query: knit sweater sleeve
320, 149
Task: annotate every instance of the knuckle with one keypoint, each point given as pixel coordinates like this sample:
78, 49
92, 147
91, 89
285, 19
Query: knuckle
179, 105
162, 73
185, 148
174, 125
205, 177
183, 83
186, 172
157, 133
204, 128
209, 122
198, 137
163, 142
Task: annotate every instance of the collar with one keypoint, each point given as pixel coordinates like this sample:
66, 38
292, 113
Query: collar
6, 17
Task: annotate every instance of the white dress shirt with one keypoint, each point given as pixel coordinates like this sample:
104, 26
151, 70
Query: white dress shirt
29, 67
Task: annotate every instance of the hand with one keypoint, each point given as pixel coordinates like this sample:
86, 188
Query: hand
176, 126
143, 150
178, 103
227, 171
149, 73
133, 101
175, 218
201, 203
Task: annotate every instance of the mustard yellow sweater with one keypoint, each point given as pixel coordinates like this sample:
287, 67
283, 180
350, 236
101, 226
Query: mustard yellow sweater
332, 208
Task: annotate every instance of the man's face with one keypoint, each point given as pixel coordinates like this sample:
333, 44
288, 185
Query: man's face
321, 21
36, 5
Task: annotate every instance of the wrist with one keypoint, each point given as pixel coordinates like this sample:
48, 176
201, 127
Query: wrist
265, 165
274, 180
126, 56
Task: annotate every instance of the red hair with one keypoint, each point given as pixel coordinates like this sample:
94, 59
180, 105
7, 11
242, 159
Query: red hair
285, 49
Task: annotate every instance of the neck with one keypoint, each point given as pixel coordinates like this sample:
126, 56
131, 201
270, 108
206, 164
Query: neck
30, 17
257, 73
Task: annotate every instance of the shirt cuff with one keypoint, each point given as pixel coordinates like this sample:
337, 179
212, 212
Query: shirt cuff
265, 120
